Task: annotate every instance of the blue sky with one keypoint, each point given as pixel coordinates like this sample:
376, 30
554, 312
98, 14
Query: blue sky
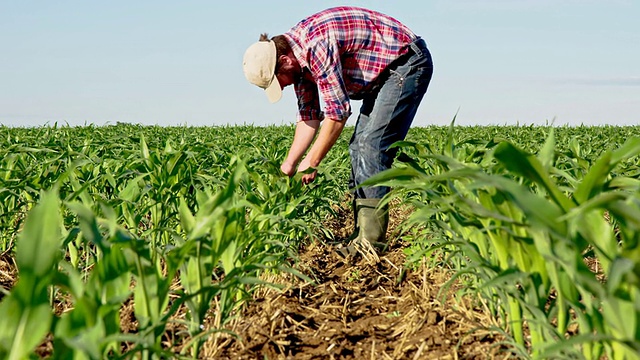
179, 62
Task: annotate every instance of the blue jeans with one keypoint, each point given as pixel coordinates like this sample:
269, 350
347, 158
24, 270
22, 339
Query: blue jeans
385, 117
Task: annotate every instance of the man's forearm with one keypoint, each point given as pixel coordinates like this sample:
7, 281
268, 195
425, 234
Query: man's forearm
305, 132
329, 134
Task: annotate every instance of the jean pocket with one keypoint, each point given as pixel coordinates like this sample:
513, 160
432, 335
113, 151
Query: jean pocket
397, 77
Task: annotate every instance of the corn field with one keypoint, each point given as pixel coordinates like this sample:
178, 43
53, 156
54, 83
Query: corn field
541, 224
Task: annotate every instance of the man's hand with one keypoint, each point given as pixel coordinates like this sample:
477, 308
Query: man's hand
288, 169
329, 133
309, 174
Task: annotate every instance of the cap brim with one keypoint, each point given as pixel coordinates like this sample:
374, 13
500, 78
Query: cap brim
274, 92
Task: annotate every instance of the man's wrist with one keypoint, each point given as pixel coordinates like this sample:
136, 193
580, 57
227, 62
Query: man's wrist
289, 163
314, 163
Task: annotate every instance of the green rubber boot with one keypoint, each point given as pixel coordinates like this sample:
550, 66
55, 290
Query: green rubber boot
370, 229
372, 221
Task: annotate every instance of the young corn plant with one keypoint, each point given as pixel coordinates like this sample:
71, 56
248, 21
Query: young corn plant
26, 313
235, 239
528, 239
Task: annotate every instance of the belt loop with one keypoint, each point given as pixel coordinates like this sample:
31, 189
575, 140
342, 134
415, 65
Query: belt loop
415, 46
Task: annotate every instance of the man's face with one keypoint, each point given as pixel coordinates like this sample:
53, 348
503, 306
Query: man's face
285, 78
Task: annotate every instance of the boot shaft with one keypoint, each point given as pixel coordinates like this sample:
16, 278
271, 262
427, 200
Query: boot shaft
372, 221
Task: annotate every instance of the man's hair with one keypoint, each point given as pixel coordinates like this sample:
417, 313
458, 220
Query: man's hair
282, 45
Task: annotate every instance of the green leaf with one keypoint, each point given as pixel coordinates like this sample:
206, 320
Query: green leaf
309, 170
620, 269
504, 279
132, 191
449, 146
394, 174
144, 149
187, 220
88, 223
624, 183
621, 316
530, 168
539, 210
628, 150
550, 350
593, 182
546, 154
601, 201
38, 246
628, 215
23, 327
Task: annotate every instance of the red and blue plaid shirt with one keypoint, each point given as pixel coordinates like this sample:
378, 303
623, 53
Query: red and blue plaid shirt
345, 49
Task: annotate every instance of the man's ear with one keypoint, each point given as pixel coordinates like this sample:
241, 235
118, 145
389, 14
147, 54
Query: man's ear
285, 61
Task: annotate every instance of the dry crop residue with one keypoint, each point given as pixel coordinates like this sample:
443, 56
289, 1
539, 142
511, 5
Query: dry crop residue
358, 310
8, 273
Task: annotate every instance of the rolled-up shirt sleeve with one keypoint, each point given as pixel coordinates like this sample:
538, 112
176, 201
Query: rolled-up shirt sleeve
308, 101
325, 65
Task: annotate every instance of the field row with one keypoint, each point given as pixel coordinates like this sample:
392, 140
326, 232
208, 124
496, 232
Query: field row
193, 217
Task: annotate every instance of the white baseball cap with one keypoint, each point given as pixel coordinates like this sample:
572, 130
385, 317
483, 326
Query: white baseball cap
259, 65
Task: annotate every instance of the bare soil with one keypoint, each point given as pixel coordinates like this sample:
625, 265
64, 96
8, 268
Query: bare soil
359, 310
8, 273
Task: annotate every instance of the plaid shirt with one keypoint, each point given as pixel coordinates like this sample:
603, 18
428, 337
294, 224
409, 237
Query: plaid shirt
344, 49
